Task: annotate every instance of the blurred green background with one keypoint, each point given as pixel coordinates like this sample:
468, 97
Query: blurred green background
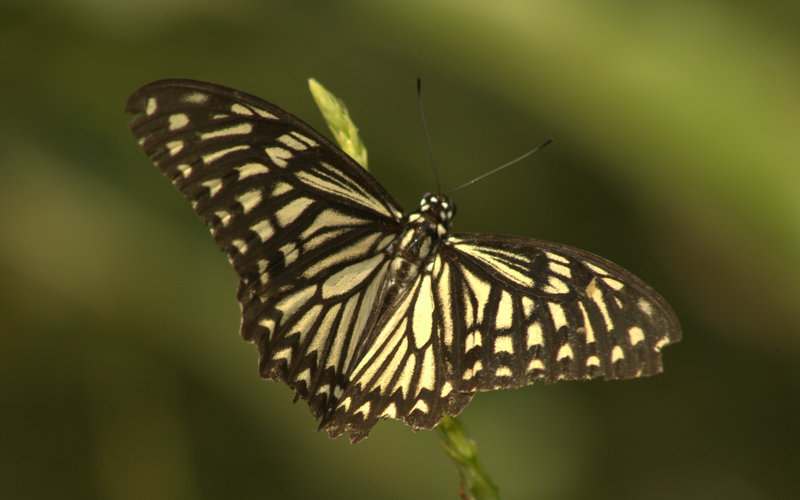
677, 155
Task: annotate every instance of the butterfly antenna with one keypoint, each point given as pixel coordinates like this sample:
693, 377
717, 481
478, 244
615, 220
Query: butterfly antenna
427, 135
501, 167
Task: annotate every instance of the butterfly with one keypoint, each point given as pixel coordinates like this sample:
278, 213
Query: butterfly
367, 312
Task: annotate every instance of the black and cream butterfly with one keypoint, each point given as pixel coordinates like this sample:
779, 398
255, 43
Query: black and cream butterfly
369, 313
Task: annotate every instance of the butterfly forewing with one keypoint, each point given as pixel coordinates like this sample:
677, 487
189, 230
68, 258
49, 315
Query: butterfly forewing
364, 312
303, 224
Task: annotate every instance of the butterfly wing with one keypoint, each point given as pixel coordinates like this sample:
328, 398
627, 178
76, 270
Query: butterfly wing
307, 229
303, 225
503, 312
403, 374
515, 311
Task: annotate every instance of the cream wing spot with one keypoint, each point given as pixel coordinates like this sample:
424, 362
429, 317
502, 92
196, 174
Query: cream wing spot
390, 411
505, 312
363, 409
503, 371
305, 376
446, 389
240, 129
240, 245
174, 147
265, 114
263, 229
224, 217
527, 306
151, 107
216, 155
471, 372
280, 188
251, 169
421, 406
305, 139
279, 156
560, 269
617, 354
595, 269
185, 170
428, 374
557, 313
241, 110
645, 306
473, 340
292, 143
284, 354
195, 98
535, 364
404, 382
213, 185
587, 325
535, 336
636, 335
616, 285
178, 121
564, 352
594, 293
249, 200
422, 322
555, 286
290, 253
480, 289
292, 211
557, 258
504, 344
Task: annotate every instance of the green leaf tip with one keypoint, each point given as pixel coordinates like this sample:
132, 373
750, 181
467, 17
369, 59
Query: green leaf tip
338, 119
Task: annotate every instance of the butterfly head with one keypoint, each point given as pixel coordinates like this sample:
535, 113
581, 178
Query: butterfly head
437, 209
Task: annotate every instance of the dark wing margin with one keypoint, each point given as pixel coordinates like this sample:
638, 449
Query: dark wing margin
517, 311
303, 225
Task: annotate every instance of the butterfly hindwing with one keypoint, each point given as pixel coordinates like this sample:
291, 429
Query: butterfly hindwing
525, 311
402, 373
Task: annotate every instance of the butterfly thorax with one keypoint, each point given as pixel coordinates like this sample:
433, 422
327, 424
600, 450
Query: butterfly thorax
414, 249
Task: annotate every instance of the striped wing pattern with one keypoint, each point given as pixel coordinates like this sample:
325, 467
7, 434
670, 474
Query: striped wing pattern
498, 312
369, 314
302, 224
525, 310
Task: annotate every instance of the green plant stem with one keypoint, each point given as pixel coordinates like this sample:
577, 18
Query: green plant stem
475, 481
